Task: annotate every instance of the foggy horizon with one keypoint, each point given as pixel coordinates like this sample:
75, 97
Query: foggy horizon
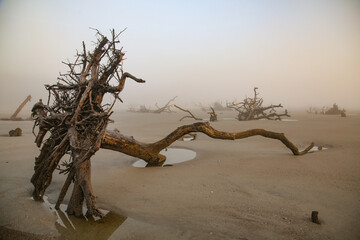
301, 53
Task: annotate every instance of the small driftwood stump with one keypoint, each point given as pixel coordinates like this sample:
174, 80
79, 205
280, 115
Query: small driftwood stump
213, 115
314, 217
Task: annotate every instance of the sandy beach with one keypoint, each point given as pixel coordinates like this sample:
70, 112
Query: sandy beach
245, 189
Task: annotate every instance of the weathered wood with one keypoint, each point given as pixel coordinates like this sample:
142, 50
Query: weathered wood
213, 115
149, 152
75, 123
17, 132
165, 108
315, 217
191, 115
252, 109
21, 106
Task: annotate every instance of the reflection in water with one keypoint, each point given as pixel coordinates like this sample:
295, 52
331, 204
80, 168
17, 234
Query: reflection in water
71, 227
173, 156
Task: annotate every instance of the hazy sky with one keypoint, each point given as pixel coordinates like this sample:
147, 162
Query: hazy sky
299, 53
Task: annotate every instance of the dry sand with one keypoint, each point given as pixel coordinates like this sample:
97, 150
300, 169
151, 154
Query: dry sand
245, 189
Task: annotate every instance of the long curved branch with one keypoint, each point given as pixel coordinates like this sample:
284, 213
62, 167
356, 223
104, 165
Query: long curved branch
150, 152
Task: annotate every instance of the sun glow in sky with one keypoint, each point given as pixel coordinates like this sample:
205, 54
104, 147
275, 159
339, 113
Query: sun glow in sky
299, 53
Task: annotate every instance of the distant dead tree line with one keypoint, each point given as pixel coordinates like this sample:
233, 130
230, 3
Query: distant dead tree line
248, 109
334, 110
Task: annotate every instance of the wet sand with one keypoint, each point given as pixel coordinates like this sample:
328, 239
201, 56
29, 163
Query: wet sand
245, 189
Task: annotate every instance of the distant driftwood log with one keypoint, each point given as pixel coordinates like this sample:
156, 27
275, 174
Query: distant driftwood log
17, 111
165, 108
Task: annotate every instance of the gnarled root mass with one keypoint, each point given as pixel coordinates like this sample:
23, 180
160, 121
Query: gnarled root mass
252, 109
76, 121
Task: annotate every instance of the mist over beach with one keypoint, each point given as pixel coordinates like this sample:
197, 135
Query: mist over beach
263, 142
298, 53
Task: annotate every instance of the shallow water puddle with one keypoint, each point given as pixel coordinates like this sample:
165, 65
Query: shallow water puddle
71, 227
317, 148
173, 156
188, 137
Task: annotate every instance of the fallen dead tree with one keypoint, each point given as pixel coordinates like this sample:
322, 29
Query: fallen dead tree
191, 115
144, 109
75, 118
252, 109
213, 115
17, 111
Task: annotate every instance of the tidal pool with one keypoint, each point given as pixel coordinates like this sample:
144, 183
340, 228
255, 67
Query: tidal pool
70, 227
112, 226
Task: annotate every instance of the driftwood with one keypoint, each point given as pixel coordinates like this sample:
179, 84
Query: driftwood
75, 124
77, 120
213, 115
191, 115
252, 109
20, 107
315, 217
144, 109
17, 132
